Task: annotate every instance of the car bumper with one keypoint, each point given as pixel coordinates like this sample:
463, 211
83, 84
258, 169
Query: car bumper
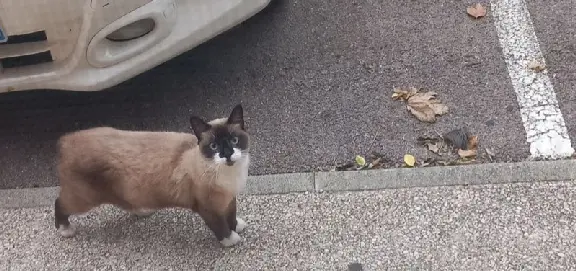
84, 60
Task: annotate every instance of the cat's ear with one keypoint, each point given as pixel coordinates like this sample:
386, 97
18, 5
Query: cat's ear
199, 126
237, 116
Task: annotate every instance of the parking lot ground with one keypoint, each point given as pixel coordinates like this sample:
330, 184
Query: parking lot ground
558, 42
315, 79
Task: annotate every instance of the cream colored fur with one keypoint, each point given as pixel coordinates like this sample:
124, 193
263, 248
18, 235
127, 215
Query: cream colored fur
142, 170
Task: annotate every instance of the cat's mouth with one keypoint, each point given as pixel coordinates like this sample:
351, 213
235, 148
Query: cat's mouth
229, 162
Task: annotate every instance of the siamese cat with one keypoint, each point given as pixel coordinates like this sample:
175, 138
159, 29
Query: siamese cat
142, 172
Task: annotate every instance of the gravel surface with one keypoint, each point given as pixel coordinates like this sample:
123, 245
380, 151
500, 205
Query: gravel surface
492, 227
315, 78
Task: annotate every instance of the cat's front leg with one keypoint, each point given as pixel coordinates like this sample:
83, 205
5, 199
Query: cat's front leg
219, 226
236, 223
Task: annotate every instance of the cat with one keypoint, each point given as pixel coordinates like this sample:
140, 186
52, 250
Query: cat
142, 172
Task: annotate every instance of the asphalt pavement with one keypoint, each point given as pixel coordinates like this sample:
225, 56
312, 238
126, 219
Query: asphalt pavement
491, 227
558, 42
315, 79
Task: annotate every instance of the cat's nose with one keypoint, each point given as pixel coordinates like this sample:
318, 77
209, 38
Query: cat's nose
226, 154
228, 158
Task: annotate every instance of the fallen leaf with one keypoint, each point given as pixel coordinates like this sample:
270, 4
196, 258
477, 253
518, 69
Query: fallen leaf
360, 161
472, 143
463, 161
536, 66
424, 106
410, 160
428, 162
455, 162
444, 163
476, 11
376, 162
466, 144
404, 93
433, 144
467, 153
490, 153
433, 147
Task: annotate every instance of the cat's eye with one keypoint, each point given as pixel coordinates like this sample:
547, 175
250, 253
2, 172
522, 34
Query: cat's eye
213, 146
234, 140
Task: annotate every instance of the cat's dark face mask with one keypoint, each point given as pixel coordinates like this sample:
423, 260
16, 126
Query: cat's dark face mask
224, 140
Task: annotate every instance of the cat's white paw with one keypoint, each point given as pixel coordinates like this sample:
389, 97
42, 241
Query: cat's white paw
240, 224
233, 239
66, 231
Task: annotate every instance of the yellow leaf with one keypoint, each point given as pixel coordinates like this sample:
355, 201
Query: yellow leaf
410, 160
360, 160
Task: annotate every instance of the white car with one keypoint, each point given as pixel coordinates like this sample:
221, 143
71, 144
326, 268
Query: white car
90, 45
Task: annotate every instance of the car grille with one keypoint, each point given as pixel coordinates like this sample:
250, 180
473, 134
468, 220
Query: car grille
25, 49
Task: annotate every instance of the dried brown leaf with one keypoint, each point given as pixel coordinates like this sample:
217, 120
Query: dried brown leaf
464, 161
433, 144
443, 163
433, 147
471, 148
430, 161
472, 142
490, 154
454, 162
477, 10
467, 153
425, 107
376, 162
404, 93
536, 66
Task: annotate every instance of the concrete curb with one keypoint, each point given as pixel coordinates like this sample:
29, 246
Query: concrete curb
448, 175
358, 180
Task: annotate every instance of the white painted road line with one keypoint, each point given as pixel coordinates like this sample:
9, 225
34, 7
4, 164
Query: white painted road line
545, 128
